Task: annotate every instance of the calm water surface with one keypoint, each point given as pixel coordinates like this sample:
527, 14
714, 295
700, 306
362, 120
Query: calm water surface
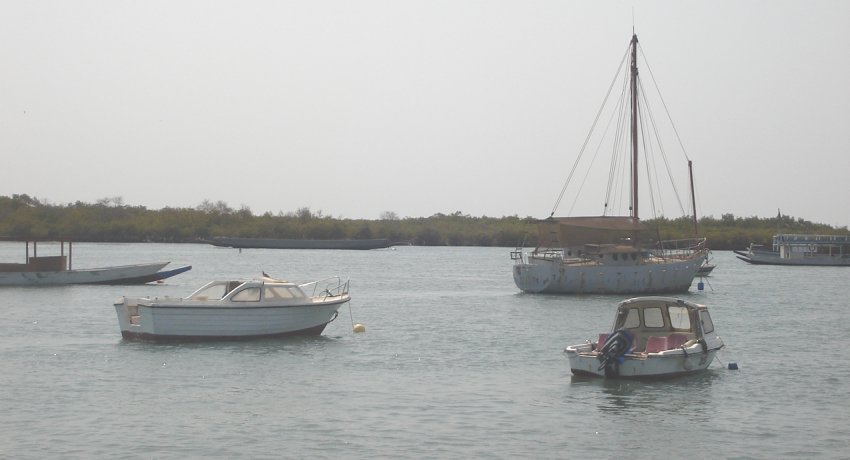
454, 363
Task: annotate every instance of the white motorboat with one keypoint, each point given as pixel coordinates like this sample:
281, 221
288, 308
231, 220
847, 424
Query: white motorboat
222, 310
612, 254
653, 337
58, 269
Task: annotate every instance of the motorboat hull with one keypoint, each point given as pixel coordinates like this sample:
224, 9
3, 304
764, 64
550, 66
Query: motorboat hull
667, 364
555, 276
768, 258
125, 274
175, 322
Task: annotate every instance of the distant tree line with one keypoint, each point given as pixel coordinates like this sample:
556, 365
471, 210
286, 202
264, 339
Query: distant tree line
730, 232
111, 220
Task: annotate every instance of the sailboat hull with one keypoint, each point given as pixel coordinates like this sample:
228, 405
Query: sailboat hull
559, 276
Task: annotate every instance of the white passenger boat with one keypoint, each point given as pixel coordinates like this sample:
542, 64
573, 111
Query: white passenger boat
652, 337
800, 249
58, 269
612, 254
222, 310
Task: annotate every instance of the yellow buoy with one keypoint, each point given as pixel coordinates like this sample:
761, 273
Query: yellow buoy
359, 328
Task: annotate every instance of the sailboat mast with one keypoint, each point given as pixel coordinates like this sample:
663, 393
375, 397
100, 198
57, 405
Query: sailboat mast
693, 196
634, 75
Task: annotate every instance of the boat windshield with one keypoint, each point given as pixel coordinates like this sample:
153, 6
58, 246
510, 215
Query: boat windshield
707, 324
248, 294
652, 317
214, 291
679, 317
673, 318
631, 319
282, 292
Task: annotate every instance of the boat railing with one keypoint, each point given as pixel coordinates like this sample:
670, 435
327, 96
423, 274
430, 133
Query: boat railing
517, 255
332, 286
548, 254
793, 238
680, 249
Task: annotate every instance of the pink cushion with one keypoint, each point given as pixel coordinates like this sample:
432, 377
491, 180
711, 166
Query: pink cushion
602, 338
655, 344
676, 340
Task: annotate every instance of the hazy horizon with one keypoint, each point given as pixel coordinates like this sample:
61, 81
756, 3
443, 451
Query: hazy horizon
356, 109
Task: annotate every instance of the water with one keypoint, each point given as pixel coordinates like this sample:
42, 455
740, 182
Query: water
454, 363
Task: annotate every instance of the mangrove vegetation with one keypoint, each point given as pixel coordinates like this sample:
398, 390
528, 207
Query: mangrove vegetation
111, 220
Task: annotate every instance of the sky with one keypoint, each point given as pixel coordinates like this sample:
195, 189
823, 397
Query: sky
359, 108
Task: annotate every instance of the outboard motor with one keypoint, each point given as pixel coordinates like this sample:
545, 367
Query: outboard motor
611, 354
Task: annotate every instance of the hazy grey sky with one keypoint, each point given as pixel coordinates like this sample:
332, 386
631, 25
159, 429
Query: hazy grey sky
355, 108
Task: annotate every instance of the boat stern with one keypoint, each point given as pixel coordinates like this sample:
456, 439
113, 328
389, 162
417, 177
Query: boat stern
584, 360
129, 319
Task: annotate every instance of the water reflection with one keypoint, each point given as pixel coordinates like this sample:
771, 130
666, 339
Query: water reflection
654, 397
297, 345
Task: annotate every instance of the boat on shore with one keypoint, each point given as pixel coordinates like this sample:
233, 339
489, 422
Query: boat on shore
58, 270
611, 254
234, 310
652, 338
292, 243
800, 249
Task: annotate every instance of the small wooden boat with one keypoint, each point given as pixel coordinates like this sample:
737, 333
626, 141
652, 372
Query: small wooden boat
706, 268
234, 309
57, 270
276, 243
653, 337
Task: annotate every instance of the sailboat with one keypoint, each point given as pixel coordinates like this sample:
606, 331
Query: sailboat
610, 254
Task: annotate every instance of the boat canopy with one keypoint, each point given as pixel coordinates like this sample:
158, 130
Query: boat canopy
659, 316
250, 290
579, 231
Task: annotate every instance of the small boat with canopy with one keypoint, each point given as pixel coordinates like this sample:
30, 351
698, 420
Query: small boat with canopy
652, 337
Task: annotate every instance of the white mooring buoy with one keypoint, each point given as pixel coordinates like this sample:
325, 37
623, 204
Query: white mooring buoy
359, 328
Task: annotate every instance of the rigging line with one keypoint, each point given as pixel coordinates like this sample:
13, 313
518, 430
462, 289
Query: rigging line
616, 144
660, 96
653, 178
696, 198
620, 154
581, 152
667, 164
661, 149
647, 156
592, 160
